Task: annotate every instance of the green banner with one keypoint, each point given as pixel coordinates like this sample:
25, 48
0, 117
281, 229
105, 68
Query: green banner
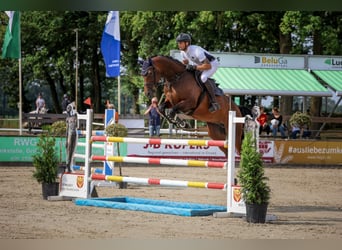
21, 148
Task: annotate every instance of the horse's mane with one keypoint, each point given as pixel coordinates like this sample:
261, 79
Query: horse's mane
148, 62
172, 59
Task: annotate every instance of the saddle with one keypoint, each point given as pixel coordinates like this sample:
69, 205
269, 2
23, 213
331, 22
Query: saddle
218, 91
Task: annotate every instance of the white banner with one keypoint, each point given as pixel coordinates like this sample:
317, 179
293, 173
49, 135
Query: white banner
205, 153
325, 63
271, 61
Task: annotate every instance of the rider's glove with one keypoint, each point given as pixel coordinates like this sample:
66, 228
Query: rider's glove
190, 67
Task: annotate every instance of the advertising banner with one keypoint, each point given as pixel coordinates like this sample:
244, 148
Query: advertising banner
249, 60
185, 152
72, 185
325, 63
21, 148
238, 204
308, 152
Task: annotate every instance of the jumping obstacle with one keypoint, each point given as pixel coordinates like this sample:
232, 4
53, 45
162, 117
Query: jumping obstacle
160, 161
157, 141
159, 182
86, 181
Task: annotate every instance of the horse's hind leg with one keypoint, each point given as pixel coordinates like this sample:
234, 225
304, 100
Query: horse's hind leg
217, 132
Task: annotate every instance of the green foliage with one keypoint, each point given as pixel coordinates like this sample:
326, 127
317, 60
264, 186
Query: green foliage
49, 58
117, 130
58, 129
46, 127
300, 119
251, 174
45, 160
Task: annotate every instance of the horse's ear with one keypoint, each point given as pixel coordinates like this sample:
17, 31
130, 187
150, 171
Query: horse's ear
145, 65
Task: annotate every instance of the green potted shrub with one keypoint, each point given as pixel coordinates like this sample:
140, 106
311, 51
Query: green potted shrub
300, 120
45, 162
58, 130
116, 129
255, 190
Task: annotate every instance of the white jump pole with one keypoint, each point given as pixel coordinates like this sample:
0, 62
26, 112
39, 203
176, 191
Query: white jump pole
231, 210
230, 157
88, 152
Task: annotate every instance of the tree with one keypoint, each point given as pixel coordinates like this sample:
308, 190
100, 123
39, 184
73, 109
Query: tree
48, 39
316, 33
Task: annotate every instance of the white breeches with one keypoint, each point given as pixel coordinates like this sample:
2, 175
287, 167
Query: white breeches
208, 73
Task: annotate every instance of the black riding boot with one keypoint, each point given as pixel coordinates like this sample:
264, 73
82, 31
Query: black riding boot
214, 106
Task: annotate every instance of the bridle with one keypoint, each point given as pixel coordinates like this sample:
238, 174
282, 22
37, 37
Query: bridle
148, 66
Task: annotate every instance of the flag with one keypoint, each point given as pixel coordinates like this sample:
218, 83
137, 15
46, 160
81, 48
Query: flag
110, 44
11, 46
87, 101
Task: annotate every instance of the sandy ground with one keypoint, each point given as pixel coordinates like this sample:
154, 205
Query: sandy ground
306, 201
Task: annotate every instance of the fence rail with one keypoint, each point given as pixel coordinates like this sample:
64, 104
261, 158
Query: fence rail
43, 118
319, 119
50, 118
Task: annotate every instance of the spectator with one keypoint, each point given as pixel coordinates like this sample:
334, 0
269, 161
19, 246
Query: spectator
277, 123
40, 103
295, 130
306, 133
262, 120
65, 102
154, 118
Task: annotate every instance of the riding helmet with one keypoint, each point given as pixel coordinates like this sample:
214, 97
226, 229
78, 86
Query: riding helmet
183, 37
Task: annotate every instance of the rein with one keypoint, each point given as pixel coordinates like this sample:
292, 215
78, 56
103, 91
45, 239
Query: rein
174, 79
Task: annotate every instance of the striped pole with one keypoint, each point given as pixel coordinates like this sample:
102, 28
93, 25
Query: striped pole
159, 182
160, 161
157, 141
82, 168
94, 132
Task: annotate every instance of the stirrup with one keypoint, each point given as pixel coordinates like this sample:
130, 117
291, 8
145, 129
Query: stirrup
214, 107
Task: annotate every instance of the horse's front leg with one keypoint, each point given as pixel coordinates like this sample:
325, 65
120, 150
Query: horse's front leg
175, 119
162, 107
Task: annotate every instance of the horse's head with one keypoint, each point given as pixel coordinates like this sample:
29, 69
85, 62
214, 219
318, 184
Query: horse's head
151, 77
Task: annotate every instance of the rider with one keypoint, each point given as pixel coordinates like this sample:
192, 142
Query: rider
203, 61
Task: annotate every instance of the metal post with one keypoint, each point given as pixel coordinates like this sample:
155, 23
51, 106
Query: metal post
20, 101
76, 75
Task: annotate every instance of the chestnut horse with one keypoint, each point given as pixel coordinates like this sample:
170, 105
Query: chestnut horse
184, 95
